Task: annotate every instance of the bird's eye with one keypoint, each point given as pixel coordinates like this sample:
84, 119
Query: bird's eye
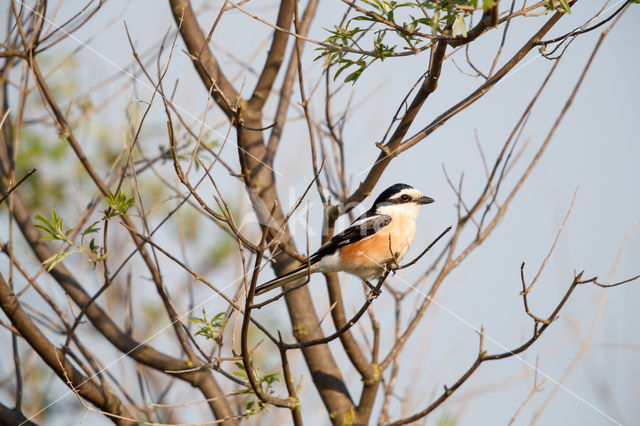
405, 198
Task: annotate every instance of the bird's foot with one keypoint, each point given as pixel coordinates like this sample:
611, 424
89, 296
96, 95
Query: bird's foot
371, 286
375, 291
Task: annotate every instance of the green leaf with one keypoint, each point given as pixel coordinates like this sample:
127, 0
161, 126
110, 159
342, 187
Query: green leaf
354, 76
375, 4
56, 258
91, 228
243, 374
53, 228
250, 408
365, 18
565, 6
119, 204
210, 328
459, 26
347, 64
435, 21
265, 382
487, 4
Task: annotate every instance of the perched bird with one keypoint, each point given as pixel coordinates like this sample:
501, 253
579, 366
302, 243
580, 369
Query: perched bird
366, 246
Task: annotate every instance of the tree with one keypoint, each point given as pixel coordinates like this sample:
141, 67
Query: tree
160, 238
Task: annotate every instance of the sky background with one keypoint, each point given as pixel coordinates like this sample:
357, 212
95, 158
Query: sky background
595, 150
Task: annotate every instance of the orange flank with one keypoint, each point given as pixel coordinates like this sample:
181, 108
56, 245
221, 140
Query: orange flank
372, 252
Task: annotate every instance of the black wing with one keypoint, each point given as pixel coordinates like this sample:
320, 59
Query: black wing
363, 227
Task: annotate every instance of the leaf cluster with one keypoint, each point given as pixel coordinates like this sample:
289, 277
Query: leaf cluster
119, 204
55, 231
561, 5
409, 24
265, 382
210, 327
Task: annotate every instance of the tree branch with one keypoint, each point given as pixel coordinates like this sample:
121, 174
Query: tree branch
275, 57
203, 60
395, 146
483, 356
55, 359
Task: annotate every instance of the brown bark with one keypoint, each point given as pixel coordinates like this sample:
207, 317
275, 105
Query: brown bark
259, 179
106, 401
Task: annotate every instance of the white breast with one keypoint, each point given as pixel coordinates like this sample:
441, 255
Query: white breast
403, 226
404, 235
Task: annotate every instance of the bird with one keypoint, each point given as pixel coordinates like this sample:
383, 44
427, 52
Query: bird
381, 235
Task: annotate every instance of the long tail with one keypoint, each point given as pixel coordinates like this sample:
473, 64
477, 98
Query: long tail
284, 279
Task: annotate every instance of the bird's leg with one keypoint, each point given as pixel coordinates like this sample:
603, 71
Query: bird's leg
371, 286
392, 264
375, 291
373, 294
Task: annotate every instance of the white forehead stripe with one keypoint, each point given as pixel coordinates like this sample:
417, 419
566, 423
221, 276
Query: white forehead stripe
412, 192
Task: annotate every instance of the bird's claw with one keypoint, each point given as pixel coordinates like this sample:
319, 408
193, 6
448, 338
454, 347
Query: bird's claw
374, 293
371, 286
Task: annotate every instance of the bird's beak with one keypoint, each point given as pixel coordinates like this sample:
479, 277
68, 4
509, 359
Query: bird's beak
425, 200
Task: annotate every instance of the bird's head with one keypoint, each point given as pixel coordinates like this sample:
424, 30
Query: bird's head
400, 199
